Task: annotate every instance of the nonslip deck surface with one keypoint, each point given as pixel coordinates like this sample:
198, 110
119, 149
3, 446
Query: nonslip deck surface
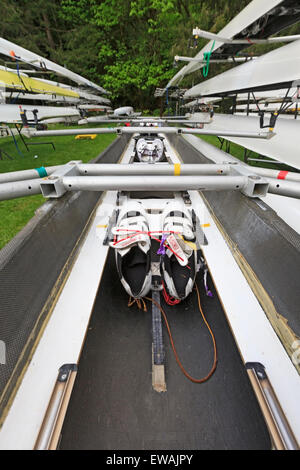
113, 405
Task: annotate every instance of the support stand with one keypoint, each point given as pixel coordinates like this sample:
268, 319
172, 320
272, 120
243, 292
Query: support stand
32, 143
158, 353
4, 154
20, 135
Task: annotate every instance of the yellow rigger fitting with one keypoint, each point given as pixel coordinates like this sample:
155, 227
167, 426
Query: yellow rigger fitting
177, 169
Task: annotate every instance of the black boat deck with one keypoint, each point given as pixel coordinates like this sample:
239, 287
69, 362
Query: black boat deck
113, 405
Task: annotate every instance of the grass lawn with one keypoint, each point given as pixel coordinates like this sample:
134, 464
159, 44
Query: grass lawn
235, 150
15, 213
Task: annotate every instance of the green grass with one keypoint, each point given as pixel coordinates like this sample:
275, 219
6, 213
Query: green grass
14, 214
235, 150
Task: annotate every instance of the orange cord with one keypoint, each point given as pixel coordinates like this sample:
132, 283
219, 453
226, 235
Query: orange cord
214, 366
139, 302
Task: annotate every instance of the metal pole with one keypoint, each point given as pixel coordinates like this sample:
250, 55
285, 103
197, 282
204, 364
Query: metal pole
50, 431
27, 174
224, 133
280, 431
212, 61
142, 182
153, 183
284, 188
153, 169
175, 130
146, 120
275, 174
19, 189
97, 130
151, 130
261, 160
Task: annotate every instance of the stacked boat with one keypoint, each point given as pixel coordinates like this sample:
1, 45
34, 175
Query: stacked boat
38, 100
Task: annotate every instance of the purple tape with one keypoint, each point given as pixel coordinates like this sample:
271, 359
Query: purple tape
162, 249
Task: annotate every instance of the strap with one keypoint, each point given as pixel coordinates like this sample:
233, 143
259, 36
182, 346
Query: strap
179, 224
178, 220
133, 220
130, 224
127, 242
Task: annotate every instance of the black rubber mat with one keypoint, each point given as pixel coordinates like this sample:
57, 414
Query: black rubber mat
113, 405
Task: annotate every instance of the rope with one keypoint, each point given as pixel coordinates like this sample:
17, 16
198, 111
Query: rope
141, 302
15, 142
135, 232
19, 75
207, 56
